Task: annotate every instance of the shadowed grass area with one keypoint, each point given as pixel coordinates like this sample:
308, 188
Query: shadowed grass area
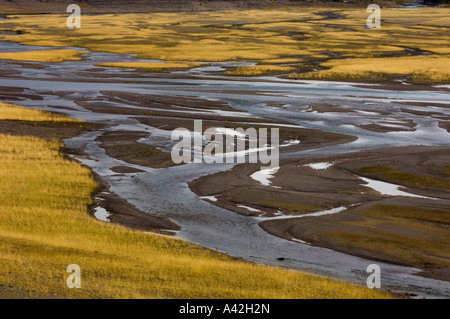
396, 176
410, 235
407, 235
44, 227
446, 170
43, 55
290, 208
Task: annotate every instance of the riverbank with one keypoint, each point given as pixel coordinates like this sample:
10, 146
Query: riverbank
45, 227
95, 7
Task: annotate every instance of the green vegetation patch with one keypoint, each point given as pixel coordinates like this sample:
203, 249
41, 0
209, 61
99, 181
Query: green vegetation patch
410, 235
256, 70
446, 170
289, 207
396, 176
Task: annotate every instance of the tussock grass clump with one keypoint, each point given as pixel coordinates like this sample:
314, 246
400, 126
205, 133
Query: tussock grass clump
43, 55
18, 113
256, 70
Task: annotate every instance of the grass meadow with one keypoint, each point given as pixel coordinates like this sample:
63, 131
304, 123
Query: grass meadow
295, 42
43, 55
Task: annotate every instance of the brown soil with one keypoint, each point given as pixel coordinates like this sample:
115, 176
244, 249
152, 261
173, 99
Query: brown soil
180, 121
117, 6
419, 113
99, 108
166, 102
124, 146
46, 130
402, 241
124, 213
385, 129
7, 73
149, 109
299, 189
13, 94
126, 170
309, 138
425, 104
326, 108
391, 83
445, 125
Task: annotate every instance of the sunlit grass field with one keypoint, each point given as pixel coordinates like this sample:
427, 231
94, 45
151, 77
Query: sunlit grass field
17, 113
432, 69
45, 226
301, 39
43, 55
255, 70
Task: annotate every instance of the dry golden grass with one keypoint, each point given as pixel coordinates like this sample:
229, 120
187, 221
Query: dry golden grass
44, 227
282, 61
256, 70
18, 113
422, 68
43, 55
258, 35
